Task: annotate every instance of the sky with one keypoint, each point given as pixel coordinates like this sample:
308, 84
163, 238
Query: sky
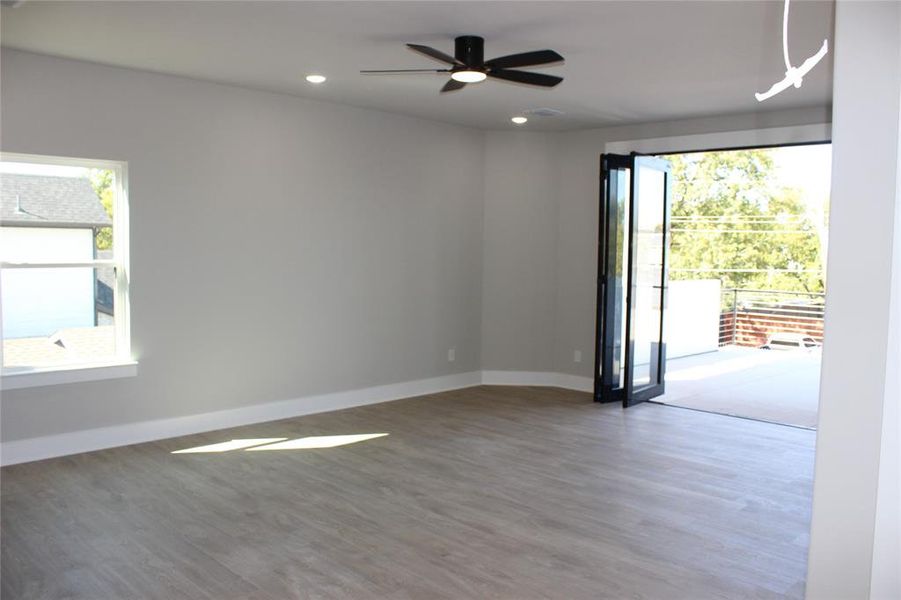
35, 169
808, 168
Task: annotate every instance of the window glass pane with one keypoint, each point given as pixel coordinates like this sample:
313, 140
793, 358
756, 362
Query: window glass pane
46, 244
55, 213
103, 183
57, 316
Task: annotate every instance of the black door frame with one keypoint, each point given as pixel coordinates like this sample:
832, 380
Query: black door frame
601, 283
657, 375
604, 390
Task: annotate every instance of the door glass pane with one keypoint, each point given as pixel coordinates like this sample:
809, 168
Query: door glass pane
620, 269
616, 256
648, 275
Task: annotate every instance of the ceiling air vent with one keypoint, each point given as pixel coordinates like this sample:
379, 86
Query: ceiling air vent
543, 112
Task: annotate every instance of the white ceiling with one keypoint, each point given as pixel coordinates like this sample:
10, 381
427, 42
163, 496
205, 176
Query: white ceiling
625, 61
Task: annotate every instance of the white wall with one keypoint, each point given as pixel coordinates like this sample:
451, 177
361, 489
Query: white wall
855, 530
39, 302
886, 573
280, 247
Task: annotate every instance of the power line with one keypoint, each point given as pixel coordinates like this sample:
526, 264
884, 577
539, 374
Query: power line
739, 219
713, 270
771, 231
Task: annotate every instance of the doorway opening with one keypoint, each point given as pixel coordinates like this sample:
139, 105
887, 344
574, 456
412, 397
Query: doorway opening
716, 284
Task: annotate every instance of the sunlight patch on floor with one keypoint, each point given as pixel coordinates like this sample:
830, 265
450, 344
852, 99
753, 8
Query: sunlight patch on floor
230, 445
282, 443
319, 441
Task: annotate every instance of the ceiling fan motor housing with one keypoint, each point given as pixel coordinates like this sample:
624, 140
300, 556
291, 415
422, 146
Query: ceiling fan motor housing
470, 50
468, 64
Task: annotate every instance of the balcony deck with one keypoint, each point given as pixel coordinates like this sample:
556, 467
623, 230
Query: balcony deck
768, 385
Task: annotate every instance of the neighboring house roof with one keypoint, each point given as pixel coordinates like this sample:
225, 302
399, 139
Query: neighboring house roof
50, 201
69, 345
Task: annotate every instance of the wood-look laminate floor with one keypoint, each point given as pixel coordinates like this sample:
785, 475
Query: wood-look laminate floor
490, 492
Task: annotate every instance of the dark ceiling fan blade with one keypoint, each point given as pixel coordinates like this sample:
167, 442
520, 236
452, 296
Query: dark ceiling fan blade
385, 71
436, 54
525, 59
451, 85
525, 77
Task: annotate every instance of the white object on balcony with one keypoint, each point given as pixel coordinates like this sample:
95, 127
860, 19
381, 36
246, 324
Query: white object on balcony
692, 321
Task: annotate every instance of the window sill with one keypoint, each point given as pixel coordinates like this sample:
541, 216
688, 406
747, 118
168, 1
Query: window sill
69, 374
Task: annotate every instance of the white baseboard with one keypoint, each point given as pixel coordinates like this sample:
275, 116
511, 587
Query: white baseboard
76, 442
20, 451
575, 382
538, 378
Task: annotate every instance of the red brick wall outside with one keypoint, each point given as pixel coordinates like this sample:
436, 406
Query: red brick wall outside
754, 328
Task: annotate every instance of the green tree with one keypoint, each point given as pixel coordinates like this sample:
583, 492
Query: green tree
732, 220
102, 182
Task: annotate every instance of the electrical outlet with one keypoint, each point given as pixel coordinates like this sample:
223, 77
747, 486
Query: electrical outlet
451, 354
577, 356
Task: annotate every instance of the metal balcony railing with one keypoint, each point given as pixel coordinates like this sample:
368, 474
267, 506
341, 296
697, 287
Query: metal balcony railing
750, 317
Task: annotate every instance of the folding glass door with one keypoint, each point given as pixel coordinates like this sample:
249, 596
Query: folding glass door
630, 355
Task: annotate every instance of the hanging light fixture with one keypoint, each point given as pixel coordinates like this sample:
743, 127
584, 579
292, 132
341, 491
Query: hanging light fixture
468, 76
793, 76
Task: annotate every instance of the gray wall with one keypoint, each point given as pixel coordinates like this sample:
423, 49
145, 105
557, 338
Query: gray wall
519, 252
280, 247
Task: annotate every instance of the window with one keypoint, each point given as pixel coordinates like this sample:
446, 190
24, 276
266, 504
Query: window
63, 269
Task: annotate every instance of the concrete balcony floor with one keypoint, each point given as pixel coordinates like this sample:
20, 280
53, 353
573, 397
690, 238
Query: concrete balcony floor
780, 386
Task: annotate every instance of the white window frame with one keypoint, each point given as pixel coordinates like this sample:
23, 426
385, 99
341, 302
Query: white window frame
123, 363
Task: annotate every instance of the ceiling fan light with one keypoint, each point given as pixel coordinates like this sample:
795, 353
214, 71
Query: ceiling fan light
468, 76
519, 120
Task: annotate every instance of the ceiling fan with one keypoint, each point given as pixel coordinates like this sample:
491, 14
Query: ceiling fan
468, 64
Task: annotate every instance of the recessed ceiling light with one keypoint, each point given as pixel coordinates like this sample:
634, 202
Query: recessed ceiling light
519, 120
316, 78
468, 76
